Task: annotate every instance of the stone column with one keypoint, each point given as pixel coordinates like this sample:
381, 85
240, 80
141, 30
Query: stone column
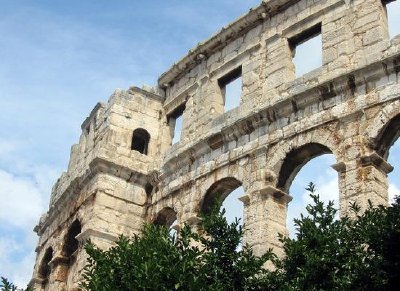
57, 277
265, 212
59, 272
36, 284
365, 179
279, 63
369, 25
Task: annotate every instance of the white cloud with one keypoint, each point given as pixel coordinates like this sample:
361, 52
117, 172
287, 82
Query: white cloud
7, 147
22, 201
16, 260
24, 198
7, 246
328, 190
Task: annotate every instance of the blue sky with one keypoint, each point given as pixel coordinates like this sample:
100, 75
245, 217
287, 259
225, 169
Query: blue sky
59, 58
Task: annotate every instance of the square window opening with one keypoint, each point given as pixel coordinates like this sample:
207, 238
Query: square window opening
307, 50
231, 88
175, 122
393, 17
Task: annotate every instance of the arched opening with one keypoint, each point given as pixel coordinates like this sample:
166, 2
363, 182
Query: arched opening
44, 268
308, 163
167, 217
140, 141
394, 176
388, 135
296, 159
228, 191
387, 145
71, 244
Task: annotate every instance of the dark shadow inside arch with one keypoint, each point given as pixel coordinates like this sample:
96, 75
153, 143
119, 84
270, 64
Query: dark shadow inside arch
386, 138
166, 217
44, 269
140, 141
218, 192
295, 160
71, 244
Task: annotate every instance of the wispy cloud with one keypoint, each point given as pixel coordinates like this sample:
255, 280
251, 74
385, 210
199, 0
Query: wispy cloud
24, 198
22, 201
16, 260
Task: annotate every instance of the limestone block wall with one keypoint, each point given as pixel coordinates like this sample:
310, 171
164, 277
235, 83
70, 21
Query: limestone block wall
349, 107
282, 119
105, 188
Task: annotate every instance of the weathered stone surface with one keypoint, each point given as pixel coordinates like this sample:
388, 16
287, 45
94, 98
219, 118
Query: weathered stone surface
350, 107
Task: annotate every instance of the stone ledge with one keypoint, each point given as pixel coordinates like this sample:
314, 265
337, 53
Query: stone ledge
377, 161
232, 31
224, 133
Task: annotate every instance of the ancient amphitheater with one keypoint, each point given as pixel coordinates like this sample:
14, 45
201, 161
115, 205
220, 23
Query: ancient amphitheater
125, 170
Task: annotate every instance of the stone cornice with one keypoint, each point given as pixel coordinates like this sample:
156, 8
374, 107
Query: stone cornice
377, 161
148, 94
93, 233
97, 166
347, 85
232, 31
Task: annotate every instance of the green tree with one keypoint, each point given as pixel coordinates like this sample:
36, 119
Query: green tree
158, 261
358, 253
347, 254
6, 285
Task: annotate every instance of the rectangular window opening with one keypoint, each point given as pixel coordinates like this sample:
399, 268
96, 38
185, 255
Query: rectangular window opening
231, 88
175, 123
307, 50
393, 17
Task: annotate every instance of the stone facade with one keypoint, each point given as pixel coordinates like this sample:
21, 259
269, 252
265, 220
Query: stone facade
125, 172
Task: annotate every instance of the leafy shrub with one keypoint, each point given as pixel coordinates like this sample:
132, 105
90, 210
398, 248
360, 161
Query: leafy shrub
362, 253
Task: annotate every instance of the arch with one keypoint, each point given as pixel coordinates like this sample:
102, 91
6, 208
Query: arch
295, 160
219, 191
378, 126
240, 171
71, 244
44, 268
387, 136
140, 141
328, 136
166, 217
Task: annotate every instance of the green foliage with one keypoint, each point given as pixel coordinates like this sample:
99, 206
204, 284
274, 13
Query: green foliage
6, 285
157, 261
362, 253
141, 263
346, 254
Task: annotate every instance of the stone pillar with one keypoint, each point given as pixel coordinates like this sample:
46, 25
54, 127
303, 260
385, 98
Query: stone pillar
340, 168
59, 272
365, 179
370, 30
36, 284
279, 63
57, 277
265, 212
